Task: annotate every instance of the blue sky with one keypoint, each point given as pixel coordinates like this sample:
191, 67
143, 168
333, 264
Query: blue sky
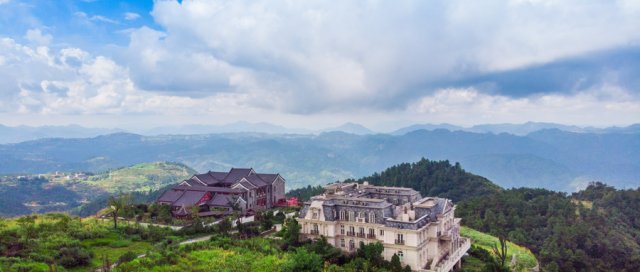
315, 64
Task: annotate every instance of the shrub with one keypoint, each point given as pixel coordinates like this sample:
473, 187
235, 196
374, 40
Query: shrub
74, 256
127, 257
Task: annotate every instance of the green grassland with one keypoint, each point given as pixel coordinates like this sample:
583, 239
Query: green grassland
525, 260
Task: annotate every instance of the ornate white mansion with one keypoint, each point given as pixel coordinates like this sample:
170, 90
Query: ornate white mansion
421, 231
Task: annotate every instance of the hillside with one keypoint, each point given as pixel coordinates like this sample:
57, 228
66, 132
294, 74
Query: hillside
519, 259
549, 159
595, 229
68, 192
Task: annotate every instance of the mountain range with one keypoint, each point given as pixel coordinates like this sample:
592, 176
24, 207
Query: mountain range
550, 158
9, 134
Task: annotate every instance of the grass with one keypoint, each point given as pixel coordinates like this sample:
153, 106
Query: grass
472, 264
113, 246
524, 258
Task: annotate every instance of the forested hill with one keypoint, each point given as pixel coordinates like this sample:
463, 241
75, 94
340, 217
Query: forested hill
596, 229
434, 178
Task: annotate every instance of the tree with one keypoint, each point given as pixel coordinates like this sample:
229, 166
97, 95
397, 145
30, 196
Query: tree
291, 232
116, 204
396, 266
302, 260
501, 252
224, 226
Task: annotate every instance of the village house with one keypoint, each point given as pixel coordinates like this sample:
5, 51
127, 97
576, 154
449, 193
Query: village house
422, 232
219, 193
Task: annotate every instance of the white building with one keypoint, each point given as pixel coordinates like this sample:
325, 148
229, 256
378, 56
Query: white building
423, 232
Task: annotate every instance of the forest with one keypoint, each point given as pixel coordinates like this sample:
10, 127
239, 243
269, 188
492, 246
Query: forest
595, 229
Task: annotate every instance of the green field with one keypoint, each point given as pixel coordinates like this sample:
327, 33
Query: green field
525, 260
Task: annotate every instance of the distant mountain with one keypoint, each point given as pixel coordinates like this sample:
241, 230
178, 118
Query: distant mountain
415, 127
519, 129
236, 127
26, 133
351, 128
551, 159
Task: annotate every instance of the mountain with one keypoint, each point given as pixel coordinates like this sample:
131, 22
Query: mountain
70, 191
551, 159
519, 129
351, 128
26, 133
236, 127
415, 127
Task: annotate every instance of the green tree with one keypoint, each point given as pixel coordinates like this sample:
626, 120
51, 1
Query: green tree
291, 233
116, 204
396, 266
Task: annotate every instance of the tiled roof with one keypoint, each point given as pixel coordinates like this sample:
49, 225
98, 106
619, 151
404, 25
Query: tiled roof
248, 185
208, 189
237, 174
206, 178
255, 180
189, 198
170, 195
220, 200
269, 178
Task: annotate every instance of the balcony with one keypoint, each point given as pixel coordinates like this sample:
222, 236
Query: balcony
399, 242
351, 233
371, 236
314, 232
361, 234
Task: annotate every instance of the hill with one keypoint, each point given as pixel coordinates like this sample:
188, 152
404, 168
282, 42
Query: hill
78, 192
595, 229
551, 159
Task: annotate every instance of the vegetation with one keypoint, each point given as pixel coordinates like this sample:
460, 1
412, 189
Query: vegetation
59, 241
434, 178
524, 259
596, 229
86, 195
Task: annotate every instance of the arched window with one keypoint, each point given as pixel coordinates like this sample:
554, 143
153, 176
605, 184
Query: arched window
372, 218
343, 215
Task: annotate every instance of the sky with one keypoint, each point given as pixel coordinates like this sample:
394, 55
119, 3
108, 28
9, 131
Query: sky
313, 64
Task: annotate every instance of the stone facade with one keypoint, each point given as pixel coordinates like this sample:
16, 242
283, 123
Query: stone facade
423, 232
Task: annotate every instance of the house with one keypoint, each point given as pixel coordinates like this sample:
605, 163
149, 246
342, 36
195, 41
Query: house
219, 193
423, 232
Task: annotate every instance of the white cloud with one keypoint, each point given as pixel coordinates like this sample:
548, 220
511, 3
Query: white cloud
98, 18
36, 36
602, 106
316, 56
130, 16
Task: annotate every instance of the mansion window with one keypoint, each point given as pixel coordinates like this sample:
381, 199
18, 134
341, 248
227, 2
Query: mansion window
361, 216
342, 232
400, 254
343, 215
352, 216
372, 217
315, 215
381, 232
342, 242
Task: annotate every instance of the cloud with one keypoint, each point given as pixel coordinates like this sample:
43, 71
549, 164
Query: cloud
131, 16
310, 57
95, 18
36, 36
603, 105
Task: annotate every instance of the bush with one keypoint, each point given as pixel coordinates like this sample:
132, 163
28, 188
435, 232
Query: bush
74, 256
127, 257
